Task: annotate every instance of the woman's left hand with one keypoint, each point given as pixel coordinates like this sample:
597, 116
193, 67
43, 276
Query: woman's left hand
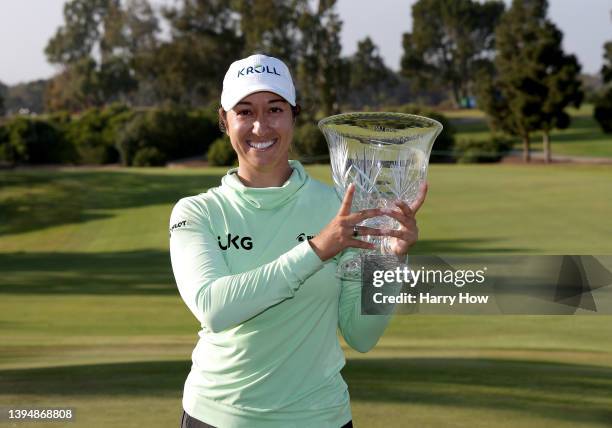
407, 235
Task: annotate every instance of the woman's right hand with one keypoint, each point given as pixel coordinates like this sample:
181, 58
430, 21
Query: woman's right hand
339, 233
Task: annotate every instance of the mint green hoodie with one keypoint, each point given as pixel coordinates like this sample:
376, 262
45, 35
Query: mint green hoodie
268, 353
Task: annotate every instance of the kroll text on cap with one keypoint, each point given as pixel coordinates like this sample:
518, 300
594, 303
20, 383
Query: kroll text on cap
256, 73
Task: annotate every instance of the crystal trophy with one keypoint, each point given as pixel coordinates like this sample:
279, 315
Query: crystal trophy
386, 156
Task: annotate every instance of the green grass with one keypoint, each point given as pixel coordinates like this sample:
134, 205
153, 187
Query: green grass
90, 317
584, 137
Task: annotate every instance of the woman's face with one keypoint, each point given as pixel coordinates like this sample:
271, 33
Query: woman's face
260, 128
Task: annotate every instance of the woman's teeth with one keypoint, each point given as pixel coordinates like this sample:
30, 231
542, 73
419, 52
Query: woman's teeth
261, 146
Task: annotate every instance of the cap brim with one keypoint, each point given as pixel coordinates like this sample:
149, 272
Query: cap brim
229, 104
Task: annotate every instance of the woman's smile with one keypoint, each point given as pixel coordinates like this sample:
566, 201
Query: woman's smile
262, 146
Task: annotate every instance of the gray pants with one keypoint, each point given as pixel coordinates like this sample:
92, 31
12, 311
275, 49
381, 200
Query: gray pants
191, 422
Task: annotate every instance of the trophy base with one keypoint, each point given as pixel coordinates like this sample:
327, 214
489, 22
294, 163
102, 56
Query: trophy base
350, 269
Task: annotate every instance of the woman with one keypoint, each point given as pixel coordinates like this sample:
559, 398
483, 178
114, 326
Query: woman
266, 296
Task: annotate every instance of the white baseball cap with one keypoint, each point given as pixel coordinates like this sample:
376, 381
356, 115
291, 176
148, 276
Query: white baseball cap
255, 74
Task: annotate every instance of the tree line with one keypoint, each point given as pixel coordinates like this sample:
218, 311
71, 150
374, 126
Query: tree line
510, 61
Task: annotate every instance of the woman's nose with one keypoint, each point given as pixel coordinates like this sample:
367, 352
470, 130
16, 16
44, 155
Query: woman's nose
260, 126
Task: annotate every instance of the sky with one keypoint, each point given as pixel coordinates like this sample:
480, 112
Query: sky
27, 25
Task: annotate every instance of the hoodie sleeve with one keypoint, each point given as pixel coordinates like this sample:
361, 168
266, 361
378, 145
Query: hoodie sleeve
218, 299
361, 332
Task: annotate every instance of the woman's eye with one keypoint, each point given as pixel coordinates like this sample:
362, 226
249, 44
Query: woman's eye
276, 110
243, 112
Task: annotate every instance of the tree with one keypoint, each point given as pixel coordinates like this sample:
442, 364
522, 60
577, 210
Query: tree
603, 105
535, 81
2, 111
136, 45
321, 73
306, 35
561, 75
129, 38
606, 69
81, 31
451, 41
75, 88
270, 27
205, 41
369, 74
104, 29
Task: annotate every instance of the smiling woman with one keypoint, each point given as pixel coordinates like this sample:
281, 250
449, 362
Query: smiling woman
255, 261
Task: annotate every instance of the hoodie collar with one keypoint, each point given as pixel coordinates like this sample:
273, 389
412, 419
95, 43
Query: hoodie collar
266, 197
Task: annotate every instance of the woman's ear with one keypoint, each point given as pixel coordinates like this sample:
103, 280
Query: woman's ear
222, 120
295, 110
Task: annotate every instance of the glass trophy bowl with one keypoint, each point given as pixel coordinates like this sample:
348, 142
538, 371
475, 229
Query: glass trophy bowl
386, 156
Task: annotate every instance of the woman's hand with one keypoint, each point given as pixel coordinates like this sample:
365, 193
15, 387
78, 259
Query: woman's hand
406, 236
340, 232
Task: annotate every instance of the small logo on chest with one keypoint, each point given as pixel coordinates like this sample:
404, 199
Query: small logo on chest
303, 237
